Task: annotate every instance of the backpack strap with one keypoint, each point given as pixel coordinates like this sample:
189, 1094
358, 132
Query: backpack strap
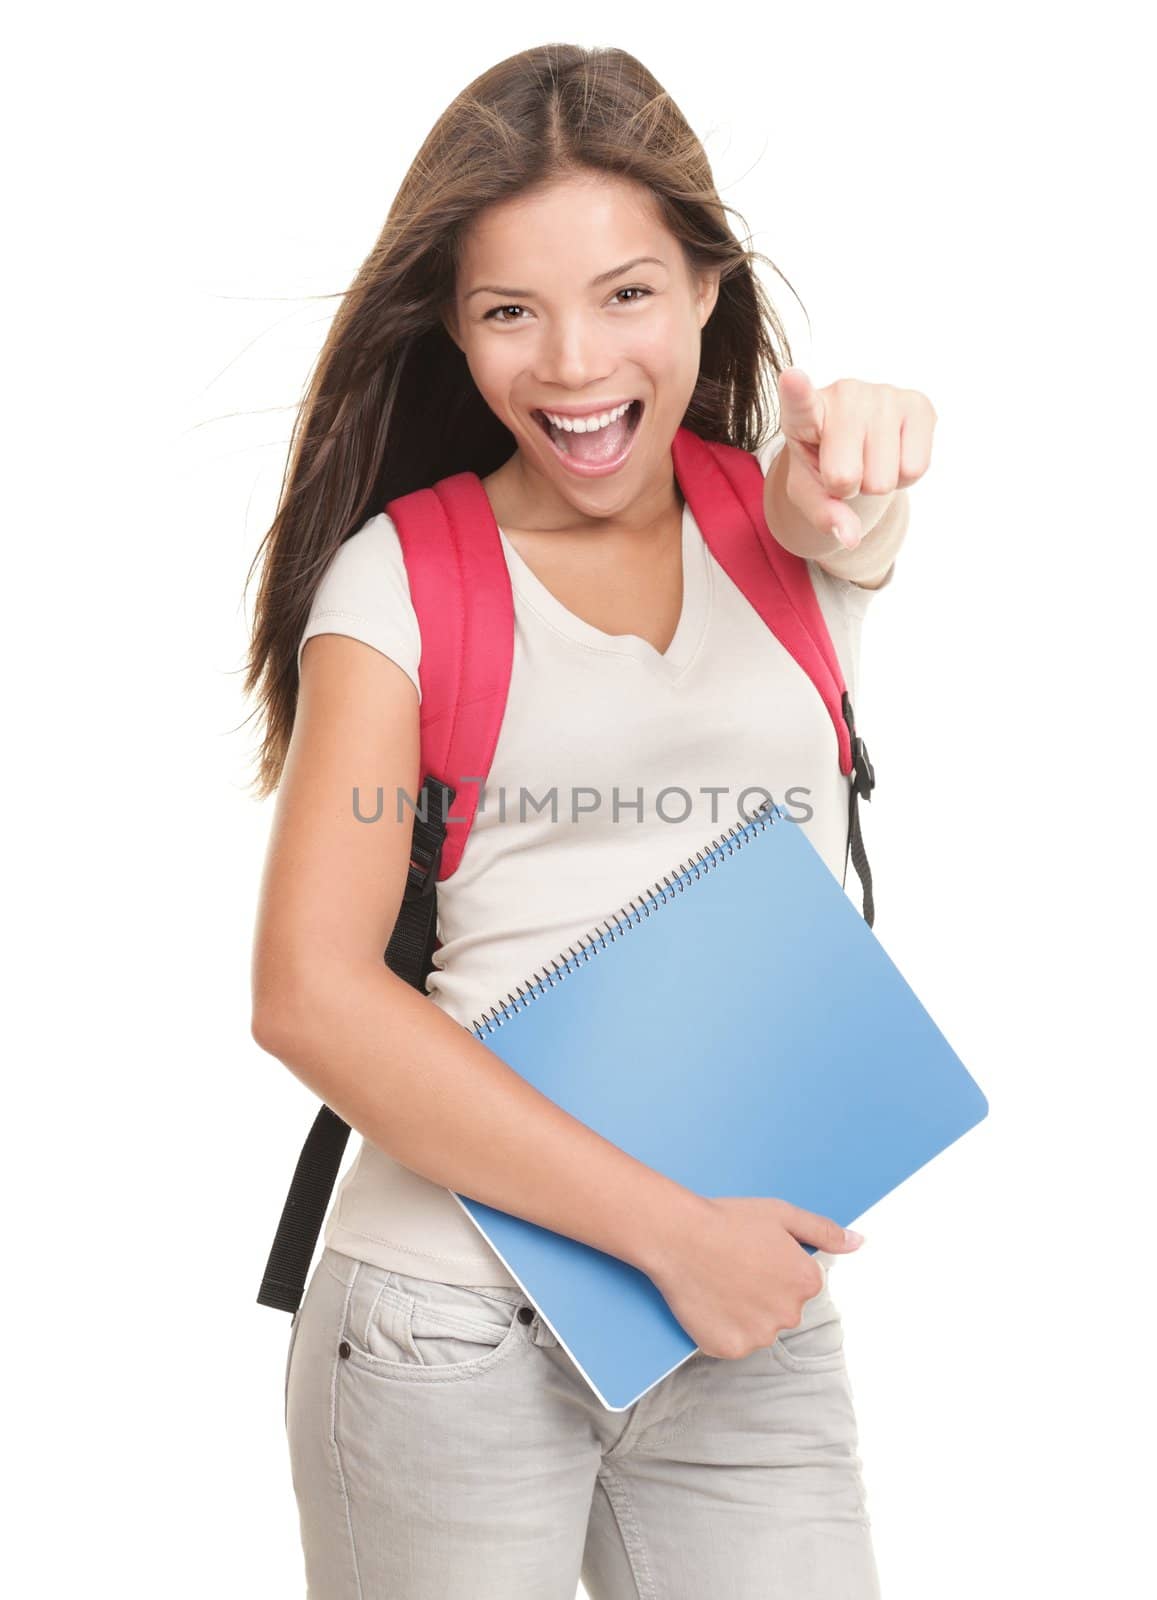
460, 587
724, 488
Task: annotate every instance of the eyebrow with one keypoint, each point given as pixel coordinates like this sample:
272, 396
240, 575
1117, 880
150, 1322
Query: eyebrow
603, 277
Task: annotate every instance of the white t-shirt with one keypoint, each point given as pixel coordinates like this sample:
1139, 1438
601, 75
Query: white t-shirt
684, 745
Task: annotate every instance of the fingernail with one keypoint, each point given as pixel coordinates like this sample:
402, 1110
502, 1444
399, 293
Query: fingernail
848, 544
852, 1237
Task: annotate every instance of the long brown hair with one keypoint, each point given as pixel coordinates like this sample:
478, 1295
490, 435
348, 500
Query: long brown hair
391, 405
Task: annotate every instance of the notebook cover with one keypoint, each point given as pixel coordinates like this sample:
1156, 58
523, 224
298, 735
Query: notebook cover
740, 1028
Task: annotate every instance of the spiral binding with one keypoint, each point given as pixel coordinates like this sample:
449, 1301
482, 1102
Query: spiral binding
629, 916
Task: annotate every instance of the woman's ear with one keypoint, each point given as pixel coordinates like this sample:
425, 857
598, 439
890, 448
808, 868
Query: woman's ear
708, 294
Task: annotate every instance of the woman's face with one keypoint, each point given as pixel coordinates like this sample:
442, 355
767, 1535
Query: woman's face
573, 301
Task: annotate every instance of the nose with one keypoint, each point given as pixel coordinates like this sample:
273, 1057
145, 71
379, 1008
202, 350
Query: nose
573, 354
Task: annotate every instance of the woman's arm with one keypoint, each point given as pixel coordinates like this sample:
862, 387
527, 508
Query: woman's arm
839, 442
389, 1061
884, 518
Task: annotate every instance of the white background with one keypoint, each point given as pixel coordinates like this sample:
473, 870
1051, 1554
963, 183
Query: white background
961, 201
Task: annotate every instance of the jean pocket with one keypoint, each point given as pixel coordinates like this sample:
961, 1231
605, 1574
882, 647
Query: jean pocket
421, 1330
816, 1343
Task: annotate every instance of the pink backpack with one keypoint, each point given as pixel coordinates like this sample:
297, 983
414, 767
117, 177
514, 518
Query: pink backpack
460, 588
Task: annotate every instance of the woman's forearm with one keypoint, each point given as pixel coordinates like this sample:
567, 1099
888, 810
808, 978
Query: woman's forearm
873, 558
884, 519
422, 1088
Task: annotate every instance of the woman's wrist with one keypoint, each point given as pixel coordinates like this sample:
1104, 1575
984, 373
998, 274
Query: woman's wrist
873, 558
884, 519
672, 1217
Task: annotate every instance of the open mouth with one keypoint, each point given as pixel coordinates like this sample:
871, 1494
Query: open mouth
591, 448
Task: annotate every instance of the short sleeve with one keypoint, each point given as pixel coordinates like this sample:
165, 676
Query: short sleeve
365, 593
854, 597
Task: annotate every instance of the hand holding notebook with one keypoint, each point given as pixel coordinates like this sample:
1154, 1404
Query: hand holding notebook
740, 1272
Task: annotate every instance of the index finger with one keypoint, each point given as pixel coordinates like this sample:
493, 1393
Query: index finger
801, 408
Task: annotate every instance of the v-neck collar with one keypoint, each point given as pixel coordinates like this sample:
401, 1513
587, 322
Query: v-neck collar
688, 632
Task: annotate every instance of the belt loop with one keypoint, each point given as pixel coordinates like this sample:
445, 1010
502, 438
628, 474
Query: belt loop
541, 1334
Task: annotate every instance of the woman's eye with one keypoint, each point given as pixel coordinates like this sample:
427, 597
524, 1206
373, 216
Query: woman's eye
493, 315
498, 313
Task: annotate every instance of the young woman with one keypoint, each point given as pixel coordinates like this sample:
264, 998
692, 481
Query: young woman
557, 251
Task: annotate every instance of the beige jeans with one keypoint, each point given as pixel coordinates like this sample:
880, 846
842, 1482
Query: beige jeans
443, 1447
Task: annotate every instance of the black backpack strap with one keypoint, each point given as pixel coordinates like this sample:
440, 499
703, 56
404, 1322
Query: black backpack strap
863, 782
410, 953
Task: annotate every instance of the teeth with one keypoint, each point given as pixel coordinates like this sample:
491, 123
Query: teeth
588, 424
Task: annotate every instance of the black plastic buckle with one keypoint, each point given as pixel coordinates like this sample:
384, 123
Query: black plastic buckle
426, 860
864, 774
421, 880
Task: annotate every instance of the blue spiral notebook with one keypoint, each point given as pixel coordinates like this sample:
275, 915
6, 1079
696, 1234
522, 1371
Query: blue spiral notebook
739, 1028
